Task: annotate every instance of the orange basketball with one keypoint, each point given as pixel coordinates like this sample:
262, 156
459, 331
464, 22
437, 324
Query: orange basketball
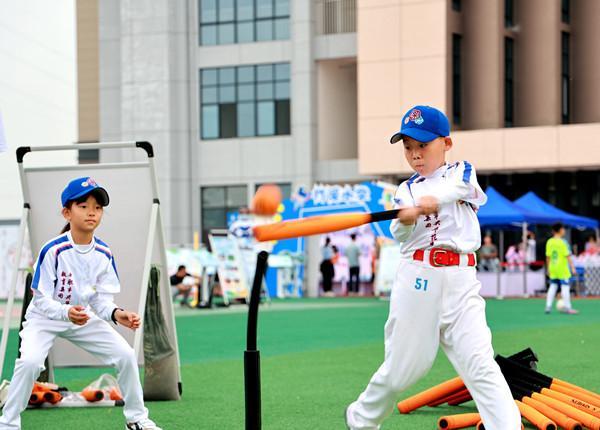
266, 200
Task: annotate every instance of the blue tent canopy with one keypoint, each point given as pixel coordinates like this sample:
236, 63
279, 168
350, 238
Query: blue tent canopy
533, 202
499, 211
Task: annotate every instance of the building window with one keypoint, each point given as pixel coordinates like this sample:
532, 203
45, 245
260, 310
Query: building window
89, 156
245, 101
456, 5
456, 79
565, 78
509, 70
565, 11
242, 21
216, 203
509, 13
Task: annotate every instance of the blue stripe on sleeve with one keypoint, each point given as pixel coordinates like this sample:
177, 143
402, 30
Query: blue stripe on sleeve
36, 276
467, 173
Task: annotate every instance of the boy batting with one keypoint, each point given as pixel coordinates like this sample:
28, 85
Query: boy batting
435, 299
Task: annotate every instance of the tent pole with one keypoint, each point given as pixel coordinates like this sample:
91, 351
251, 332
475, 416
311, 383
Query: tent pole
525, 246
499, 268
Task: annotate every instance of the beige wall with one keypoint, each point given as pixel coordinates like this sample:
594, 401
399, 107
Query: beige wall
88, 68
537, 63
585, 36
402, 61
336, 110
515, 149
483, 64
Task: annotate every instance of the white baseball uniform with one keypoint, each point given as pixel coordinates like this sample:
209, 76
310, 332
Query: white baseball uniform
68, 274
435, 305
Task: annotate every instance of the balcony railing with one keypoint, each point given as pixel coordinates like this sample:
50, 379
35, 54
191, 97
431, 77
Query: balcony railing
336, 16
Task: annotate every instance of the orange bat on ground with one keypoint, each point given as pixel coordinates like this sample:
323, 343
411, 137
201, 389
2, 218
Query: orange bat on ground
539, 420
52, 397
318, 224
559, 418
430, 395
449, 397
36, 398
92, 395
460, 421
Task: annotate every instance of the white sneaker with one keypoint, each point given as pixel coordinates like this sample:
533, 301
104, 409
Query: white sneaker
145, 424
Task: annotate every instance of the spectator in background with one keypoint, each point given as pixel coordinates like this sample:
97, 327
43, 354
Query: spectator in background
515, 257
530, 253
182, 283
488, 255
352, 253
591, 246
326, 267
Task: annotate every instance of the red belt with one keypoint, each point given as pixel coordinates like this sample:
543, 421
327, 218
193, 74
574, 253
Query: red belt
443, 257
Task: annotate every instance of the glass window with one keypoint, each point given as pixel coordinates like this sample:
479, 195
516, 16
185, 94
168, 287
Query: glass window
282, 7
245, 74
282, 113
226, 10
226, 34
282, 71
227, 120
245, 101
213, 197
208, 36
456, 79
282, 90
282, 29
213, 218
209, 95
226, 94
237, 196
264, 8
245, 9
264, 91
264, 30
508, 82
209, 77
210, 122
264, 73
456, 5
565, 11
243, 21
208, 11
245, 92
245, 32
266, 118
509, 13
246, 120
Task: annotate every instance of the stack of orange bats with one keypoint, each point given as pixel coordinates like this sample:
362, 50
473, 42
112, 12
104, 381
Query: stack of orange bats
547, 403
48, 393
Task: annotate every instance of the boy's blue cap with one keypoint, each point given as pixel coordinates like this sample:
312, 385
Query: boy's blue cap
423, 123
81, 187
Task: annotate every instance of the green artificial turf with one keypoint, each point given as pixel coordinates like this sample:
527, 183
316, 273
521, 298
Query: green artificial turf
316, 357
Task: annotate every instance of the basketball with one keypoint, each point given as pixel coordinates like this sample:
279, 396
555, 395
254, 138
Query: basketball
266, 200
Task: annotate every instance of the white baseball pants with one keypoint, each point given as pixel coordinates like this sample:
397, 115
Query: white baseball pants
432, 306
97, 337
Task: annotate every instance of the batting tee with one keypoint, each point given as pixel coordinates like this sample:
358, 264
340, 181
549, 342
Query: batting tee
132, 226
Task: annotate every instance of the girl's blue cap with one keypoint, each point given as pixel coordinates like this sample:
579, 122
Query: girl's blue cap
82, 187
423, 123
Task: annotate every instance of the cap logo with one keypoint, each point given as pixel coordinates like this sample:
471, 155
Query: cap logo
415, 116
89, 182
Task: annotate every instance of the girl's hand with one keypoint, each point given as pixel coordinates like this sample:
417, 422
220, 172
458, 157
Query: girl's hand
409, 216
128, 319
77, 315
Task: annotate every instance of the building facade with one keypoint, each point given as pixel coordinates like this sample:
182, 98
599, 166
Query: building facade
236, 93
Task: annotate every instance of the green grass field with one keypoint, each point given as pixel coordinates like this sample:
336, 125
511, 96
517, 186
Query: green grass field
317, 356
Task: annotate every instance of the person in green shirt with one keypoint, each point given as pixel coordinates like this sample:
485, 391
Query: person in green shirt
560, 268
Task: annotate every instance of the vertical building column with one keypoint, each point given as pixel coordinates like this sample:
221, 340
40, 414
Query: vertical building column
483, 61
303, 116
537, 63
585, 16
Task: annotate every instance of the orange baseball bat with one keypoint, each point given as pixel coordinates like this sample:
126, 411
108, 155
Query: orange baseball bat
430, 395
319, 224
559, 418
459, 421
36, 398
92, 395
52, 397
449, 397
539, 420
575, 387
